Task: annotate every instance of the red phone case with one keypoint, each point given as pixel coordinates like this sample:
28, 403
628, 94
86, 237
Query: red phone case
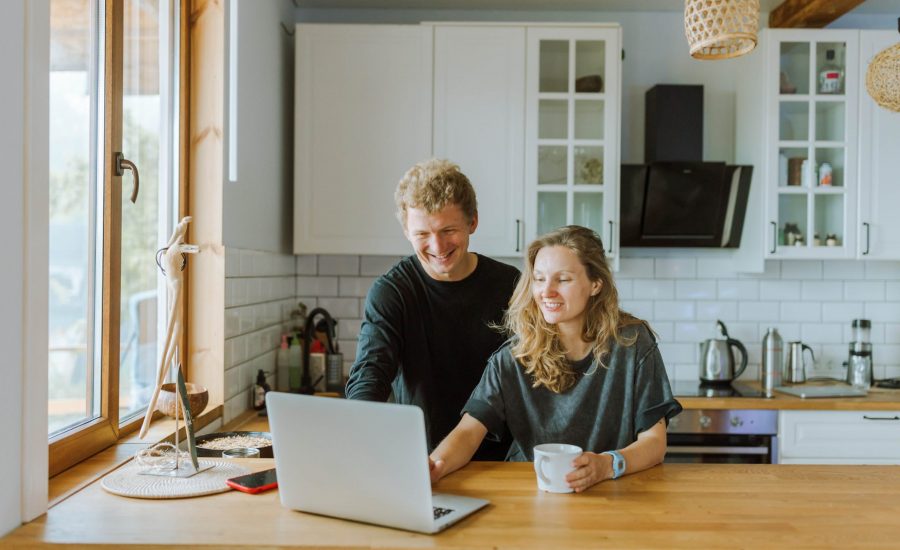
233, 483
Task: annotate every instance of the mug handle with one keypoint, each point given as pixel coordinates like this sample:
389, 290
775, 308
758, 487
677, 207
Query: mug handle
539, 468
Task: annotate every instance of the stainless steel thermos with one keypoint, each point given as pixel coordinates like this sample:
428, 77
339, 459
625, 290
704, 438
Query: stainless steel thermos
772, 361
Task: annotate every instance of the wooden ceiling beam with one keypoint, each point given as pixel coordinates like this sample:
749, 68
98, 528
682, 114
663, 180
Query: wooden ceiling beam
812, 14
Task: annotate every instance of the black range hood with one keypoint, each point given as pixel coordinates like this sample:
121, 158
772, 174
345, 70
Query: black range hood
676, 199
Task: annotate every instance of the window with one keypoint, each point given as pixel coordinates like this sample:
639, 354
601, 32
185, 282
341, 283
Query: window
114, 85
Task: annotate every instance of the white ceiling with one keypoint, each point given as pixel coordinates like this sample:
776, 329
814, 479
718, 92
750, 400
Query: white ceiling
870, 6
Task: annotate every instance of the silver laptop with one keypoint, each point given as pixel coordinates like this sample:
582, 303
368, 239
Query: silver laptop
358, 460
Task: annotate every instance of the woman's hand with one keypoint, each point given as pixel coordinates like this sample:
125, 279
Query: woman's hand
590, 469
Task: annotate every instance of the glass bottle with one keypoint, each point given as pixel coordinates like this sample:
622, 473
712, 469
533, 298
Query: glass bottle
831, 76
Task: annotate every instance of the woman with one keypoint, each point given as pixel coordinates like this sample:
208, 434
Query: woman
577, 370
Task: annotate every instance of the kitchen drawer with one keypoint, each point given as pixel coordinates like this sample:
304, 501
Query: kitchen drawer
838, 437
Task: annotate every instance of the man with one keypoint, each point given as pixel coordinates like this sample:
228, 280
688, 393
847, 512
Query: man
428, 328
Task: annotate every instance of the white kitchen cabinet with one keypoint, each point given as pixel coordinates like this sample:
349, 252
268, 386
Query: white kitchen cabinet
530, 112
572, 129
362, 118
879, 163
811, 122
479, 123
839, 437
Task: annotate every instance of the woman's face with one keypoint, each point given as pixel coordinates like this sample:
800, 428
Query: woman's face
561, 287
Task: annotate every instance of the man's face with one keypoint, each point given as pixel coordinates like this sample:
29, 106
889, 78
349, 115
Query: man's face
441, 241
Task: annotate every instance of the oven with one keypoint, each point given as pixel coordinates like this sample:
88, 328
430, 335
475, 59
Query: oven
723, 437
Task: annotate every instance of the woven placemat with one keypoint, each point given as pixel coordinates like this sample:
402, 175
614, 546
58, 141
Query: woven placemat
127, 481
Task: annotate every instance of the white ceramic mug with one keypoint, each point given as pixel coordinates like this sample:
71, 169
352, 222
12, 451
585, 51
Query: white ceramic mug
552, 462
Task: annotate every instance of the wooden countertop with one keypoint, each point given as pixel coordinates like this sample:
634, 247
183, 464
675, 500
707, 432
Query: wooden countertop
878, 399
669, 506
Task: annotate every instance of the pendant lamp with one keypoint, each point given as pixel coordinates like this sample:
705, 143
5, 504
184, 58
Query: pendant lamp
883, 77
719, 29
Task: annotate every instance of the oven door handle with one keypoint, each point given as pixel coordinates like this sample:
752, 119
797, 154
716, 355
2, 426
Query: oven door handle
689, 449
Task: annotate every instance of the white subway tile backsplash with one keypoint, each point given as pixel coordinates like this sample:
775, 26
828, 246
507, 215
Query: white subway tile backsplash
801, 269
665, 330
712, 311
377, 265
673, 310
681, 298
821, 333
710, 268
317, 286
889, 271
888, 312
843, 270
842, 312
758, 311
801, 311
642, 309
651, 289
675, 268
771, 270
635, 268
339, 265
892, 333
779, 290
823, 291
348, 329
864, 291
625, 288
679, 353
355, 286
307, 264
691, 332
232, 262
738, 290
341, 307
695, 289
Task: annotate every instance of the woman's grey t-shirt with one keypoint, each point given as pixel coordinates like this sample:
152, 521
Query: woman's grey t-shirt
606, 408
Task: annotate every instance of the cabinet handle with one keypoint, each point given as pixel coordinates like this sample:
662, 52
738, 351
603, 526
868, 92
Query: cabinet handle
774, 237
867, 417
518, 235
868, 228
609, 251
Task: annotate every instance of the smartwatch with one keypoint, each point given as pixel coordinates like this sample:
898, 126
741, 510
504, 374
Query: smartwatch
618, 463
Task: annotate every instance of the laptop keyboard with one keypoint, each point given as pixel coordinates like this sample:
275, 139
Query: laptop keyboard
441, 512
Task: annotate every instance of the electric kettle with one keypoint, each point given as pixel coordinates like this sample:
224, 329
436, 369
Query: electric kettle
717, 359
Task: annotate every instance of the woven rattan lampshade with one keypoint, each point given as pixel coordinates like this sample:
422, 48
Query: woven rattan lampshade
883, 77
719, 29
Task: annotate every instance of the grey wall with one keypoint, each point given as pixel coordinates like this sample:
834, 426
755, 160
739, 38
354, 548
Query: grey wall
257, 209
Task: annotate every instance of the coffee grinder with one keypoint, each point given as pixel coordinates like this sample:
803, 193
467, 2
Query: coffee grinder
859, 364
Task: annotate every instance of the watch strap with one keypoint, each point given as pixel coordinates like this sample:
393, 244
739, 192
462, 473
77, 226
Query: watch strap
618, 463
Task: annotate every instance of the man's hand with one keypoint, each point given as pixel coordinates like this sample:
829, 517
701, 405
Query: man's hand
590, 469
436, 467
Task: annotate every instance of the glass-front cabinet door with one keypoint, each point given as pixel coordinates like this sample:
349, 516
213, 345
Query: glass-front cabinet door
572, 129
812, 101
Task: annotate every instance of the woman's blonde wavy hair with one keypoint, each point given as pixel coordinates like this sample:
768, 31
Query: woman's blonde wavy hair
536, 343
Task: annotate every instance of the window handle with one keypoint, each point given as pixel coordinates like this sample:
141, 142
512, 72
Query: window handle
122, 164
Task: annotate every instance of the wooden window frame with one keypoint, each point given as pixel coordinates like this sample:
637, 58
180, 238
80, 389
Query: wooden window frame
72, 446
